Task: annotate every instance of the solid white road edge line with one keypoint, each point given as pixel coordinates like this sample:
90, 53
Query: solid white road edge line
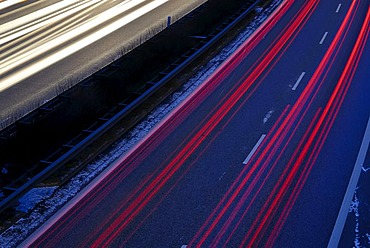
340, 5
343, 212
323, 38
298, 81
254, 149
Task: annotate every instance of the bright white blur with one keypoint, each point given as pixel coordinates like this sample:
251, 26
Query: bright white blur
35, 41
8, 3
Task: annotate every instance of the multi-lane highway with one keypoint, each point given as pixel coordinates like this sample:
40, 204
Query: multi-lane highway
260, 155
47, 46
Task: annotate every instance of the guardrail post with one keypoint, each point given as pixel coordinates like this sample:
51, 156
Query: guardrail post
168, 21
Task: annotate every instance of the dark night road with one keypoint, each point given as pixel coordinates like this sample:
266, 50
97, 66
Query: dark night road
259, 156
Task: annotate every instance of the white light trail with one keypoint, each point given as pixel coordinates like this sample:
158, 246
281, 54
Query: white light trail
11, 32
36, 15
9, 3
64, 38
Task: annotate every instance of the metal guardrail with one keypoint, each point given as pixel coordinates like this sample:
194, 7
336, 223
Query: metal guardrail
54, 166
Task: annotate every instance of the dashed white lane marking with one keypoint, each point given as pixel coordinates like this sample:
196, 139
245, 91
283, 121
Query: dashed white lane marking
268, 116
223, 174
184, 246
323, 38
343, 212
254, 149
338, 8
298, 81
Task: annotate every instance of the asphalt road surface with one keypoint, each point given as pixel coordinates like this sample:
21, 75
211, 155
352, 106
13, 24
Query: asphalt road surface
48, 46
260, 155
351, 128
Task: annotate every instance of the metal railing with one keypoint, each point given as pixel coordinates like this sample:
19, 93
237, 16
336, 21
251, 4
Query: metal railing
93, 136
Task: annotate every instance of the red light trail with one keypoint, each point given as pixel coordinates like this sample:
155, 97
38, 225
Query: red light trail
269, 210
274, 163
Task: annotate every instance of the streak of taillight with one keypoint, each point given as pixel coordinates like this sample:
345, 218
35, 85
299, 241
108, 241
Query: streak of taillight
236, 181
275, 196
281, 136
304, 152
347, 79
175, 164
197, 140
158, 137
270, 56
297, 151
170, 125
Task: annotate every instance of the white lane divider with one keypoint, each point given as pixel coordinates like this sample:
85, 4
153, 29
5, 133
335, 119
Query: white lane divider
323, 38
298, 80
223, 174
338, 8
268, 116
254, 149
343, 212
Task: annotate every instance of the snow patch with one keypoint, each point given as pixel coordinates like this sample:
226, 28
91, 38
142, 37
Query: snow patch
33, 197
354, 208
354, 205
357, 243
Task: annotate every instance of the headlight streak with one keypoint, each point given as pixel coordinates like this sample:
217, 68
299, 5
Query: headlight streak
46, 61
9, 3
50, 31
92, 23
11, 31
